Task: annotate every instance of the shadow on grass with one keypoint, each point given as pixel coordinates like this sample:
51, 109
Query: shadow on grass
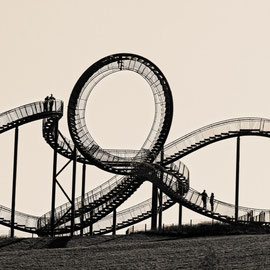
10, 241
59, 242
208, 229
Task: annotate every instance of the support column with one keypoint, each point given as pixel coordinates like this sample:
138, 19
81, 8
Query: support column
180, 215
237, 177
54, 178
160, 210
114, 222
160, 192
154, 207
91, 226
15, 158
82, 196
73, 192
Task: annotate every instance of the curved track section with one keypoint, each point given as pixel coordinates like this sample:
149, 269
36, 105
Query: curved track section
28, 113
137, 164
123, 162
172, 176
246, 126
12, 119
192, 199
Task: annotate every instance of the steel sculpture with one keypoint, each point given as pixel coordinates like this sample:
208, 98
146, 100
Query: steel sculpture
95, 212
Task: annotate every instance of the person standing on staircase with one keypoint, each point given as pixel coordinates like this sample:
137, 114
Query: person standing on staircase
51, 102
212, 201
204, 199
46, 102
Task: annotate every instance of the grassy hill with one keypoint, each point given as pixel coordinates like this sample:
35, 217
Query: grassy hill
137, 251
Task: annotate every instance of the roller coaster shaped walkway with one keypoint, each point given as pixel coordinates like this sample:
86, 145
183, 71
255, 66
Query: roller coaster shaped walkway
154, 162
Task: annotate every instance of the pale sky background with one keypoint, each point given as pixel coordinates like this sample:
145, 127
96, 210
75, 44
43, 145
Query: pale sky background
214, 54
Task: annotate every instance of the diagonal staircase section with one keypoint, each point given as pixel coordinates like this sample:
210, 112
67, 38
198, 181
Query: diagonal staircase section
93, 209
241, 126
102, 203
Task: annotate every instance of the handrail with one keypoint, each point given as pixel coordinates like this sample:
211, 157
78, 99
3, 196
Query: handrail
223, 129
217, 125
223, 207
16, 117
175, 176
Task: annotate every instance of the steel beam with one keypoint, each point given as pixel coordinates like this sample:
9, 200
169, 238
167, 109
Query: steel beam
73, 191
82, 196
160, 192
54, 178
180, 213
154, 207
64, 167
237, 177
15, 159
62, 189
114, 222
160, 210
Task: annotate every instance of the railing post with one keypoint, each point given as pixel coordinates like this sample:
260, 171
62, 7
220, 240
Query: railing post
73, 192
54, 177
12, 221
114, 222
237, 177
82, 196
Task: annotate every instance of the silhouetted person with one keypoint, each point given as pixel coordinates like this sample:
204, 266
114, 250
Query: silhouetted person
212, 202
251, 216
248, 216
204, 199
51, 101
46, 101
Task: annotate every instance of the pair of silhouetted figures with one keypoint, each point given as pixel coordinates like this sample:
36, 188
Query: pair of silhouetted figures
204, 200
48, 103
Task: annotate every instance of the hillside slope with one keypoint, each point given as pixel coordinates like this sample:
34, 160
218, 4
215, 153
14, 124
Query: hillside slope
136, 252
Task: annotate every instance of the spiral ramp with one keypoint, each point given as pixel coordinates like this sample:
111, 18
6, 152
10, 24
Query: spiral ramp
171, 176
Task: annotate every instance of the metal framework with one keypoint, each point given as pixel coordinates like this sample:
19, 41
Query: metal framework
95, 212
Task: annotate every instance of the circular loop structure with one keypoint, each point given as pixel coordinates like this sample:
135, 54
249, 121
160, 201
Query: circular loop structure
167, 172
115, 160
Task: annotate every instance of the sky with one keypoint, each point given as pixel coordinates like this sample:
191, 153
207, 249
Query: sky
214, 54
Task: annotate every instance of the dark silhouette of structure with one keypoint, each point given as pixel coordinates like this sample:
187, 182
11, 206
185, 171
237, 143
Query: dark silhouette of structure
154, 162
